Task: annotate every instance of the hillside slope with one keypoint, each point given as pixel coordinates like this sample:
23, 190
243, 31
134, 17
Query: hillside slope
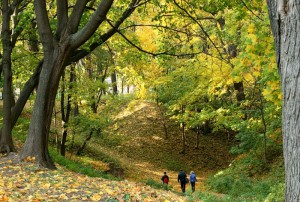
145, 153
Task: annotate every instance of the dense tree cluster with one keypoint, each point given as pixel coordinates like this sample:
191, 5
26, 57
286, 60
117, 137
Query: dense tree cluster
209, 65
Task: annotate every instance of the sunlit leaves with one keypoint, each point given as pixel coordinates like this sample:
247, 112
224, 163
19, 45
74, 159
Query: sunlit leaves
28, 182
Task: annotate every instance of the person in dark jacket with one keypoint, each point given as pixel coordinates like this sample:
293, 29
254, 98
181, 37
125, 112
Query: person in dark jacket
165, 178
193, 180
182, 179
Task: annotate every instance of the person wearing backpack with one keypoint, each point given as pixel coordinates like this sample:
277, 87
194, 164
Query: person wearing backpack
165, 178
193, 180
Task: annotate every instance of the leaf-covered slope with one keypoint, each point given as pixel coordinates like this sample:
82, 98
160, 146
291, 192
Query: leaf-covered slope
145, 153
26, 182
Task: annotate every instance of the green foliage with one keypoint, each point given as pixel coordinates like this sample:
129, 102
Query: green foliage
277, 193
205, 196
194, 89
112, 140
174, 164
21, 129
157, 185
242, 182
78, 167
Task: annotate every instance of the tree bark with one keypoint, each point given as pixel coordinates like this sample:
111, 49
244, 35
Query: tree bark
183, 130
66, 115
6, 142
114, 83
285, 23
68, 30
80, 150
198, 136
56, 52
36, 144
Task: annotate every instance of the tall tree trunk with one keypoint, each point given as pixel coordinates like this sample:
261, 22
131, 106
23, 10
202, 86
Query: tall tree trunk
11, 109
198, 136
232, 52
36, 144
114, 83
261, 107
66, 115
80, 150
183, 130
6, 143
56, 50
285, 23
63, 116
25, 93
163, 118
33, 38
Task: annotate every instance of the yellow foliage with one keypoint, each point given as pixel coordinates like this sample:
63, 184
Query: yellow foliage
248, 77
251, 29
256, 73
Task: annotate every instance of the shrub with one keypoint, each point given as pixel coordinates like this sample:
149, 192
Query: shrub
175, 165
78, 167
277, 193
221, 183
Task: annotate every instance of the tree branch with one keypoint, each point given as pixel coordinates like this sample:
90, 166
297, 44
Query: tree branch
201, 27
151, 53
43, 25
250, 10
62, 16
76, 15
16, 10
92, 25
79, 54
163, 27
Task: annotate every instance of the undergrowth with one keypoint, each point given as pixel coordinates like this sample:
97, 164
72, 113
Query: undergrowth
78, 167
236, 183
157, 185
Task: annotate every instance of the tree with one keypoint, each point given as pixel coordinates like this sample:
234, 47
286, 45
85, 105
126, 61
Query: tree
60, 48
285, 22
6, 65
9, 40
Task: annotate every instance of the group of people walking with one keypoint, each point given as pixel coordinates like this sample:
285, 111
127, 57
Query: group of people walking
182, 179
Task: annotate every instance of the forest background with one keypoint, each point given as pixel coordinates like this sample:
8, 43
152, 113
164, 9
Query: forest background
206, 68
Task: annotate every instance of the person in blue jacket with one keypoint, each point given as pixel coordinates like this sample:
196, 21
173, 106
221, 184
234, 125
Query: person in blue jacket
193, 180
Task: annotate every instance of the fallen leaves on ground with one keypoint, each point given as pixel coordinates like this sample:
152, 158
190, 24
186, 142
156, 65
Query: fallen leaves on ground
27, 182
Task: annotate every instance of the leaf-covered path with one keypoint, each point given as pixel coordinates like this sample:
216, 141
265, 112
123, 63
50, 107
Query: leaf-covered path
27, 182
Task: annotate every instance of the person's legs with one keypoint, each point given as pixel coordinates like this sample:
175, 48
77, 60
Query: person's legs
182, 186
193, 186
